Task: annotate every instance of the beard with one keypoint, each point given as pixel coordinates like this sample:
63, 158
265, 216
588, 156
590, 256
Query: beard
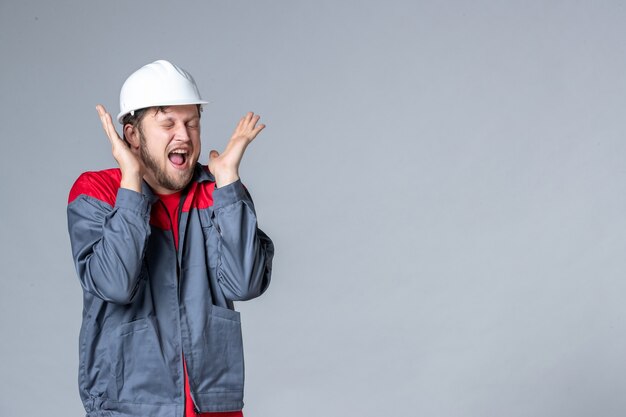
170, 182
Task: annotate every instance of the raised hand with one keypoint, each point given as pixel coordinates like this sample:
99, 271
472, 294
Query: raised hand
225, 167
130, 165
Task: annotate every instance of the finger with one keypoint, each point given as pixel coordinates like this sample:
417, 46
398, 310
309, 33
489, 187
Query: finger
102, 113
100, 109
107, 124
249, 122
256, 131
254, 120
110, 129
245, 120
106, 128
212, 157
105, 118
241, 124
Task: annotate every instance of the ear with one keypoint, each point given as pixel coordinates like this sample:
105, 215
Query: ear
131, 134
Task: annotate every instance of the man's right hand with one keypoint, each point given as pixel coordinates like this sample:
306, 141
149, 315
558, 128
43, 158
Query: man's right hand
130, 165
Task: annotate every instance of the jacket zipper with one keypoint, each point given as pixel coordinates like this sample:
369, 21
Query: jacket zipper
178, 252
180, 339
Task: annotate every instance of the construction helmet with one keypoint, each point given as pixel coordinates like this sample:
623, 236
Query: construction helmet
160, 83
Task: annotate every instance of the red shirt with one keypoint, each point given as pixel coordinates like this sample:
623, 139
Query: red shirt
172, 202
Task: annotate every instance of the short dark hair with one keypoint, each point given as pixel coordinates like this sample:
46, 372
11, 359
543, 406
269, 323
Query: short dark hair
138, 115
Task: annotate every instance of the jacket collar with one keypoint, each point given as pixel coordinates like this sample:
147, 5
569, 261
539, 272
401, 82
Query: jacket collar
202, 174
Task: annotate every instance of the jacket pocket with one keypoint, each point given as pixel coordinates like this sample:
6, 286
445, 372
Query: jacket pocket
140, 366
220, 367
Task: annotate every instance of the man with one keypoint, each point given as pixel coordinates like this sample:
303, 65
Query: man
163, 246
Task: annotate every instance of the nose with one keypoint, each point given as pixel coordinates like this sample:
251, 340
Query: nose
182, 133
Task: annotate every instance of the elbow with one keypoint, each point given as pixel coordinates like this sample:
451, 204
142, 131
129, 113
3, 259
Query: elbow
116, 293
113, 283
251, 292
119, 296
254, 286
246, 277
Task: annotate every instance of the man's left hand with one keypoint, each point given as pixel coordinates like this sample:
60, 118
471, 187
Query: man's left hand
225, 166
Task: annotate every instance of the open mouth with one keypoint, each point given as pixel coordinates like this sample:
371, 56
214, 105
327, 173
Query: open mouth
178, 157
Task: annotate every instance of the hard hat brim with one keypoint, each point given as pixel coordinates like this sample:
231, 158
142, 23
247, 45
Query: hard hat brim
121, 115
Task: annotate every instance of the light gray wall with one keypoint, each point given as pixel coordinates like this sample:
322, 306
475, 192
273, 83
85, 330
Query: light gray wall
443, 181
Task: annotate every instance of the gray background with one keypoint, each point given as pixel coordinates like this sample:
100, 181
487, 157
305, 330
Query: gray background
443, 182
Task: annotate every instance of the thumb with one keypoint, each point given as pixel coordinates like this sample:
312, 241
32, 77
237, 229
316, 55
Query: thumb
213, 154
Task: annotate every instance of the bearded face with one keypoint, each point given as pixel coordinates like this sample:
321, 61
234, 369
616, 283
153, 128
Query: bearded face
169, 147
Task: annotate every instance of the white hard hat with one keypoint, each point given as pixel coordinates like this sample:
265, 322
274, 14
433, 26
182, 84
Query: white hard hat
160, 83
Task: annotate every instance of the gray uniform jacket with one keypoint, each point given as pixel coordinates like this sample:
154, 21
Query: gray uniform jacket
147, 304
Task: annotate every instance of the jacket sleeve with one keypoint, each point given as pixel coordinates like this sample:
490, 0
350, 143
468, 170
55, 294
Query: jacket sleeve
245, 252
108, 243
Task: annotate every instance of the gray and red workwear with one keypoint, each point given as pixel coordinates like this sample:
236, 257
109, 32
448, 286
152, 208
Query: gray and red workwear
149, 304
